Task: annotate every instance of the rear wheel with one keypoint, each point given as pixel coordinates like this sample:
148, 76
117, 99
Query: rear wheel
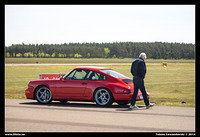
43, 95
103, 97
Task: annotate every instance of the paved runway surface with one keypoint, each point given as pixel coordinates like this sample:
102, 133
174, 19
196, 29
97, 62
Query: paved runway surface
29, 116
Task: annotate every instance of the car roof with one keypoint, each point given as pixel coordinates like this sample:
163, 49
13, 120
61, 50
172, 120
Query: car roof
91, 67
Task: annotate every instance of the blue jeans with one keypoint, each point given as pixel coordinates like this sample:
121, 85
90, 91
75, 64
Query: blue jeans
139, 84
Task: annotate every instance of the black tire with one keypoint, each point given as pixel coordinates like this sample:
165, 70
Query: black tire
122, 103
103, 97
43, 95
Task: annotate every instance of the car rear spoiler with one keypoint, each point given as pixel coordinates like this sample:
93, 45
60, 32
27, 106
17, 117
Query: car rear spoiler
50, 76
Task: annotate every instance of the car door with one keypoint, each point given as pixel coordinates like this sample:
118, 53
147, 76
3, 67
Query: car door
95, 80
73, 85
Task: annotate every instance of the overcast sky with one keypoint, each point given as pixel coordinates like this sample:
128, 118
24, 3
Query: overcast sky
99, 23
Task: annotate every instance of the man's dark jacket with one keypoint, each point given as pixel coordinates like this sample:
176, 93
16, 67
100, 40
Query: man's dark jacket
140, 68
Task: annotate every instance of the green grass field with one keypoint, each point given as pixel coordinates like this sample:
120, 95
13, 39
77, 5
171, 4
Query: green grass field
167, 86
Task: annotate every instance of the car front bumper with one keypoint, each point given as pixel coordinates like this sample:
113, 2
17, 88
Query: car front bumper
29, 93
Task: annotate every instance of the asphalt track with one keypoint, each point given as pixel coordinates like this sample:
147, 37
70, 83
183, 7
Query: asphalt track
29, 116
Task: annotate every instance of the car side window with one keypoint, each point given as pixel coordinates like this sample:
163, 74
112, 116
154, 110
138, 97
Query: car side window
71, 75
89, 75
96, 76
78, 74
102, 77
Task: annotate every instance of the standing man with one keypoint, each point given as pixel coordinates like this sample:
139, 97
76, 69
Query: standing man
138, 70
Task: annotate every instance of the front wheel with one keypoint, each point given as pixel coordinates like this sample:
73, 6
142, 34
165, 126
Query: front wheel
103, 97
43, 95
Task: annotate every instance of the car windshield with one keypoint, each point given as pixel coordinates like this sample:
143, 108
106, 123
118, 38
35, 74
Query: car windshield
112, 73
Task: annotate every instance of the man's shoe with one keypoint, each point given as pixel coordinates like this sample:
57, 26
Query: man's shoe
150, 105
133, 107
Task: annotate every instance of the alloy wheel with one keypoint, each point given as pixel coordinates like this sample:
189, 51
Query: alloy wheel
44, 95
103, 97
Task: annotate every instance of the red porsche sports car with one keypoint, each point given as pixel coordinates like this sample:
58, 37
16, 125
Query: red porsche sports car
99, 84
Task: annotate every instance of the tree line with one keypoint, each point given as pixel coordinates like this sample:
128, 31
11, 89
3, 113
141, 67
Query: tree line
154, 50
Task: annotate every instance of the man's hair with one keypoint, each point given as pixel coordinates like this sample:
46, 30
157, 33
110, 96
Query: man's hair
143, 55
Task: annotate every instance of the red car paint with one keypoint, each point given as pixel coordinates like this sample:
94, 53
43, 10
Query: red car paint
84, 89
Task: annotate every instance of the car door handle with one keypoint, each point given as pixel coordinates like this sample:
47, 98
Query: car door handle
84, 83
